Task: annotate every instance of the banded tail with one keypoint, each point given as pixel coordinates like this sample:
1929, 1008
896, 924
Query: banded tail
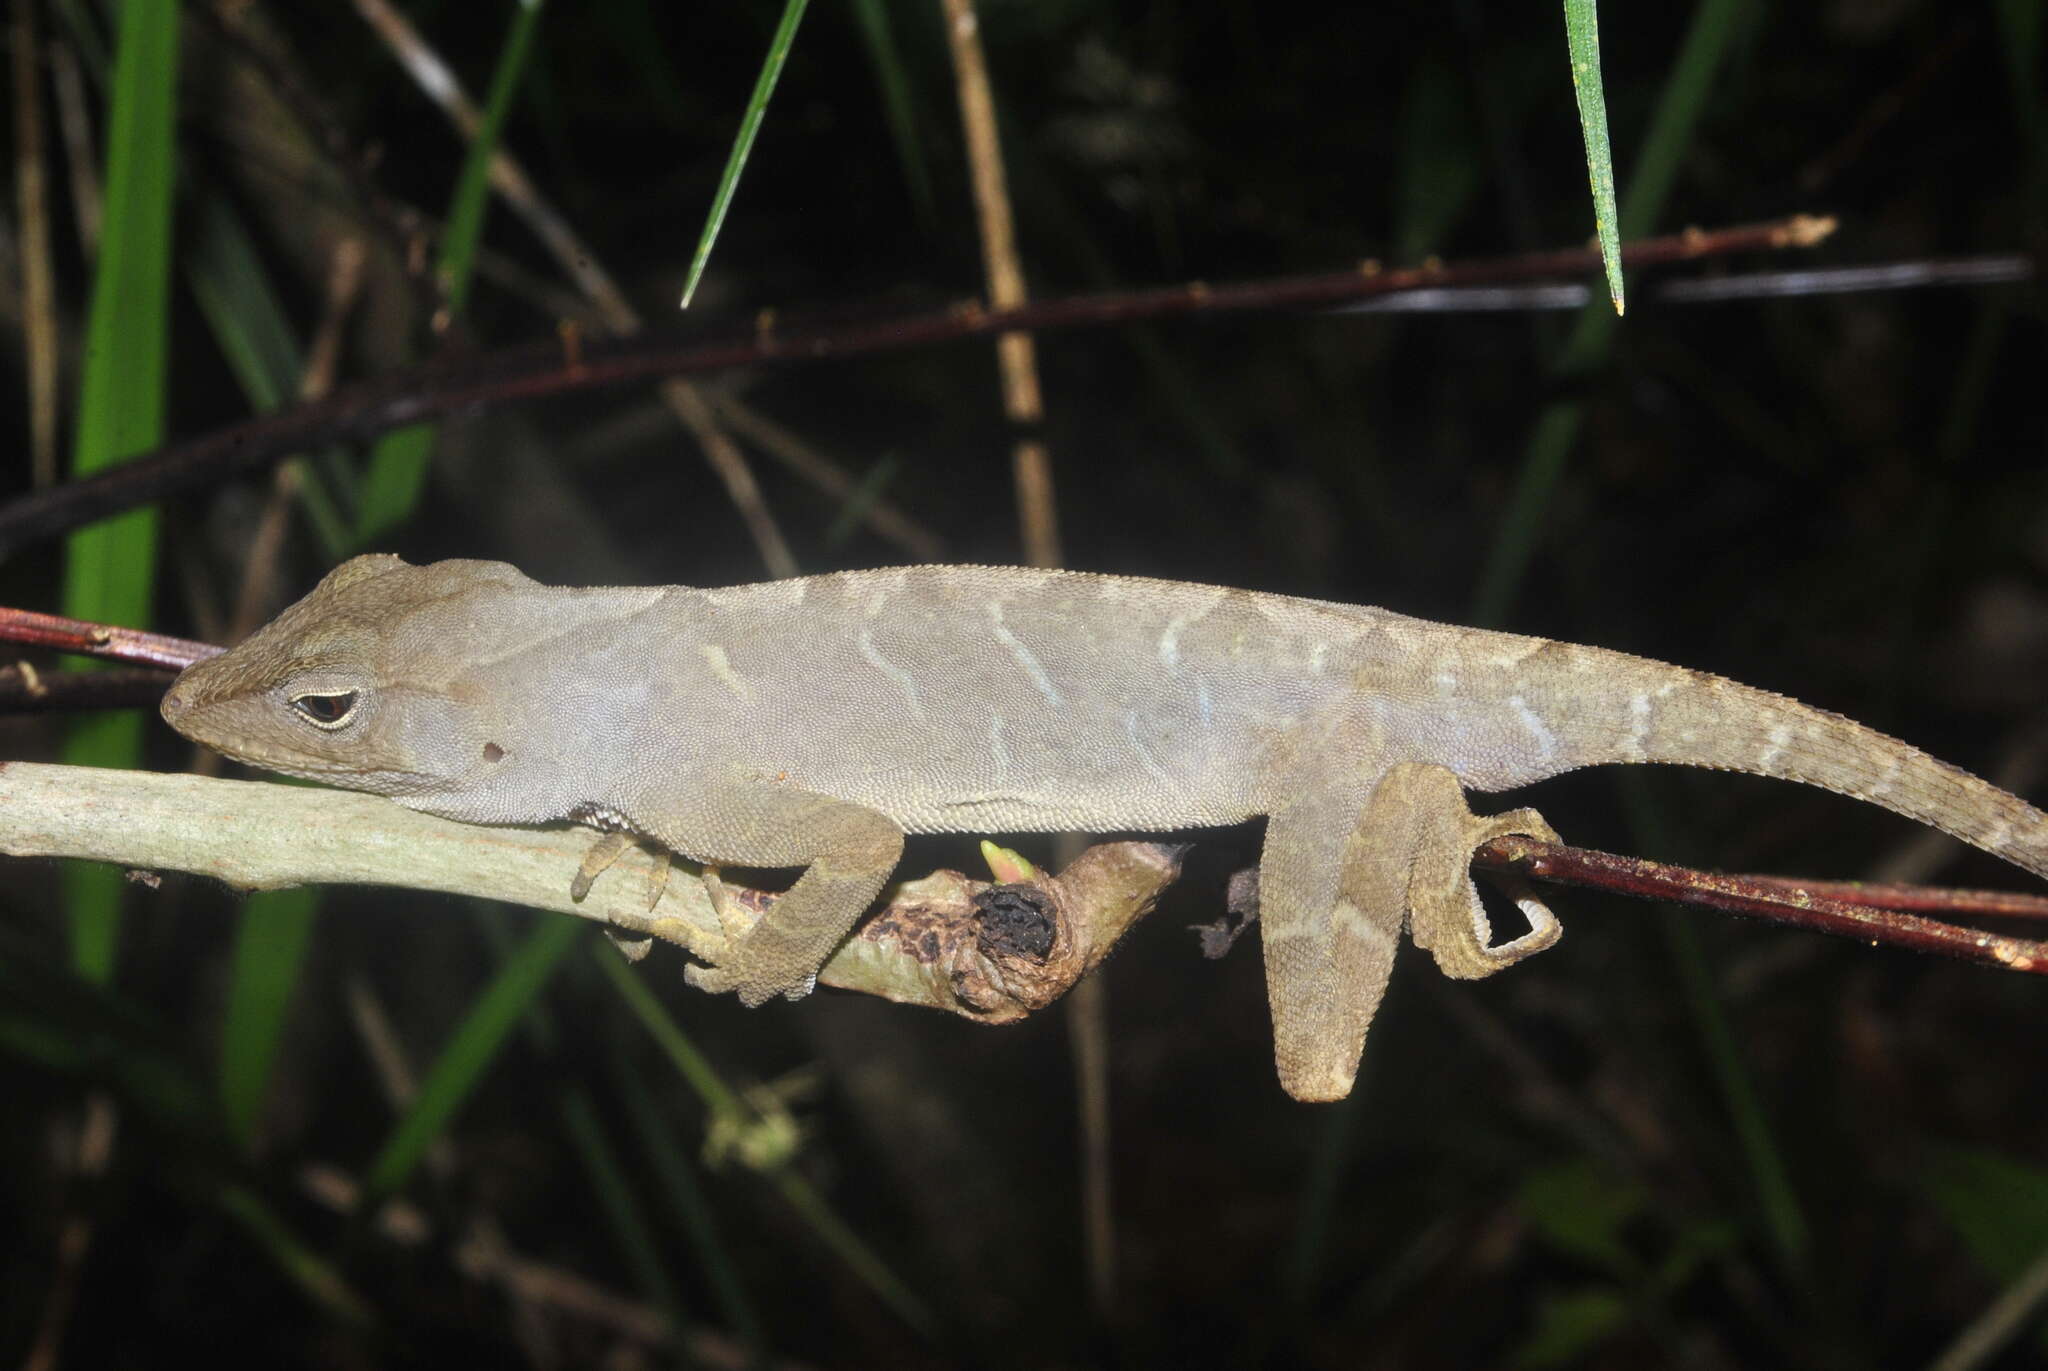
1638, 710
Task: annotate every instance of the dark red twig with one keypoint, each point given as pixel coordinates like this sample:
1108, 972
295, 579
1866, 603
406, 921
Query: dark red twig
101, 640
1777, 899
1926, 899
538, 370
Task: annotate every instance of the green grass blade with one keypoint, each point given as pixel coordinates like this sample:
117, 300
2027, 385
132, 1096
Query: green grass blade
1437, 171
637, 43
470, 1052
743, 145
2022, 24
270, 950
254, 333
622, 1205
250, 325
465, 225
847, 520
247, 318
393, 481
66, 1022
1543, 465
1318, 1210
1715, 27
1582, 41
675, 1171
894, 79
720, 1100
121, 411
397, 471
1999, 1205
313, 1274
690, 1064
1770, 1174
856, 1254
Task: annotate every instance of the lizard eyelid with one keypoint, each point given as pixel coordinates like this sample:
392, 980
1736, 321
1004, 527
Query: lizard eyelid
327, 709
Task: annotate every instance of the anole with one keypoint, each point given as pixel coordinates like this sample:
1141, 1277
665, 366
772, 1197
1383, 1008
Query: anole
814, 722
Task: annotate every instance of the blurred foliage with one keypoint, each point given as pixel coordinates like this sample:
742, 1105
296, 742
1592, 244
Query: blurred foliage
1839, 496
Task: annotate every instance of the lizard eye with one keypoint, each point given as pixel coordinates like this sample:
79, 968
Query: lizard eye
328, 711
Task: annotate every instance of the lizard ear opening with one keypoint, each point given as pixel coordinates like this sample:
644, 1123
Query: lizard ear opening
326, 709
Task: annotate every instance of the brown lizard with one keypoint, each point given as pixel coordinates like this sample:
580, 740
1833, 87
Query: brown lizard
814, 722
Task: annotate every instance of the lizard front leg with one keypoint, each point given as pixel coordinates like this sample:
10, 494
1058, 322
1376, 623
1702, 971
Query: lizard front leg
847, 851
1337, 882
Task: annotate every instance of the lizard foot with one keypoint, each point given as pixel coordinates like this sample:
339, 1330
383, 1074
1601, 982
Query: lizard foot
733, 918
753, 993
608, 848
602, 855
733, 974
657, 880
1444, 911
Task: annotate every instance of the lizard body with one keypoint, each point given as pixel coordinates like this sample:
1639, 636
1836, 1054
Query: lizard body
813, 722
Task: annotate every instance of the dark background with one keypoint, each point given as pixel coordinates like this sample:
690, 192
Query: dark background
1840, 496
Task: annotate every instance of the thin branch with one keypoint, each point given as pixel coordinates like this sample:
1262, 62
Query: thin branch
259, 582
81, 158
1023, 399
1985, 269
1087, 1010
2003, 1320
439, 82
1853, 146
537, 371
1924, 899
104, 641
688, 404
487, 1257
403, 229
786, 447
1773, 898
24, 690
992, 953
38, 274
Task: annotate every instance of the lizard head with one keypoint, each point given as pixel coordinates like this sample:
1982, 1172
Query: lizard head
361, 684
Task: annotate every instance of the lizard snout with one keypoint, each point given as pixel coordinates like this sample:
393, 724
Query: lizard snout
177, 703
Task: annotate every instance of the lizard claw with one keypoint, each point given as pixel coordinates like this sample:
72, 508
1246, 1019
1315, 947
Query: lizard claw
632, 946
717, 980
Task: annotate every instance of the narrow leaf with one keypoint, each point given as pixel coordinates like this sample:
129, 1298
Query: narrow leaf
473, 187
397, 471
470, 1052
894, 79
743, 145
121, 409
1716, 24
270, 949
1582, 40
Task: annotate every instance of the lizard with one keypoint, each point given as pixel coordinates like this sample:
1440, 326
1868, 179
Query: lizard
813, 722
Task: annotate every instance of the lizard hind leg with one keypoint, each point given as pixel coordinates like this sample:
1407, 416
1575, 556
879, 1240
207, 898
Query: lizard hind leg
1338, 882
1444, 911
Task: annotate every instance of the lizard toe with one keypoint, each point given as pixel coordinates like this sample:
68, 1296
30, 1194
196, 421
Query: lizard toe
753, 991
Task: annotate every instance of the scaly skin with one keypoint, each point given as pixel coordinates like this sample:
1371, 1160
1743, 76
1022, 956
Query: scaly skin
814, 722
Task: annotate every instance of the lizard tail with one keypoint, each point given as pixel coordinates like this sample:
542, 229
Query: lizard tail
1691, 718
